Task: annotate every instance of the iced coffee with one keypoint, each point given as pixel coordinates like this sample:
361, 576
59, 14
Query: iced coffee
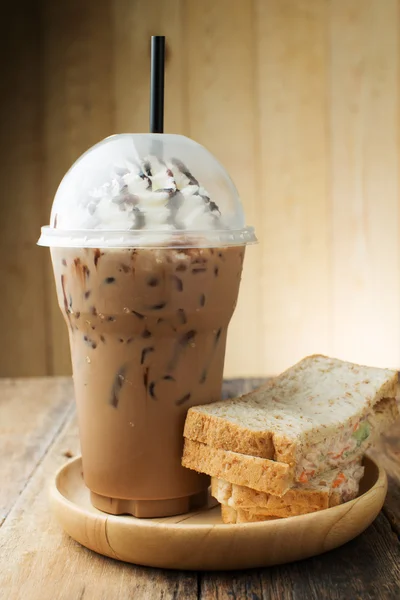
147, 266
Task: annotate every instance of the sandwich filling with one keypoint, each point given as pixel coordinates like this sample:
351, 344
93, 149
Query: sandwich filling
351, 441
344, 482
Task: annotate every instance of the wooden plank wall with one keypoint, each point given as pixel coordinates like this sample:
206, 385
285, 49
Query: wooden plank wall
299, 99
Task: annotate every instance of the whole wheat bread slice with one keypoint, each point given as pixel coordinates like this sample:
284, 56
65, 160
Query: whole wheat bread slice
330, 489
254, 472
231, 516
265, 475
308, 404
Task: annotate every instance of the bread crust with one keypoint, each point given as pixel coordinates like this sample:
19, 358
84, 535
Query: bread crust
219, 433
238, 496
222, 433
296, 501
260, 474
230, 516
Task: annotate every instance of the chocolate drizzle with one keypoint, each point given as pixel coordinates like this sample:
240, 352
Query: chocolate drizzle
183, 169
198, 270
174, 203
96, 257
90, 342
153, 281
146, 169
180, 345
66, 307
182, 316
138, 315
117, 386
153, 384
187, 337
204, 373
158, 306
145, 352
200, 192
182, 400
129, 195
177, 282
146, 377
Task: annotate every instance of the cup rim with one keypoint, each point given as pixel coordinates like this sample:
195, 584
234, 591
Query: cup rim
92, 238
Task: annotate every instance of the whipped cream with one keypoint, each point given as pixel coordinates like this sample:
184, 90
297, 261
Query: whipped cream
147, 195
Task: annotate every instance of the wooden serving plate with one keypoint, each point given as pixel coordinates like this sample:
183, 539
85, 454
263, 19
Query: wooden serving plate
200, 541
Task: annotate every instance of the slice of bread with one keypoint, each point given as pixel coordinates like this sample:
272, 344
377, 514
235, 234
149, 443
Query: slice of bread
231, 516
329, 489
264, 475
274, 510
254, 472
313, 403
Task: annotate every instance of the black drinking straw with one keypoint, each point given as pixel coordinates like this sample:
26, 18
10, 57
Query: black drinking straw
157, 84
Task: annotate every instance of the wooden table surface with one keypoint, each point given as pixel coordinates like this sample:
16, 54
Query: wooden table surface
38, 433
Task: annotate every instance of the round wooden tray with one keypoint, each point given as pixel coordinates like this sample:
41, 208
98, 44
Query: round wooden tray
200, 541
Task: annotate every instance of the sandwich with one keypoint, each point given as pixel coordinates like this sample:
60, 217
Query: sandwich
281, 442
277, 477
324, 491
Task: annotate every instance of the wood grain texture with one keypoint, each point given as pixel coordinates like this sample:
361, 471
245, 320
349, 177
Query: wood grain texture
78, 112
293, 112
23, 299
200, 540
367, 567
132, 63
30, 418
364, 122
221, 93
388, 453
39, 562
299, 99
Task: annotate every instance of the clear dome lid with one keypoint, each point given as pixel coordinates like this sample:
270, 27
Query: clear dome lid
146, 190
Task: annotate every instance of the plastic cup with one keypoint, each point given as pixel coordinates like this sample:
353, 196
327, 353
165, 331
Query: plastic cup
147, 240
